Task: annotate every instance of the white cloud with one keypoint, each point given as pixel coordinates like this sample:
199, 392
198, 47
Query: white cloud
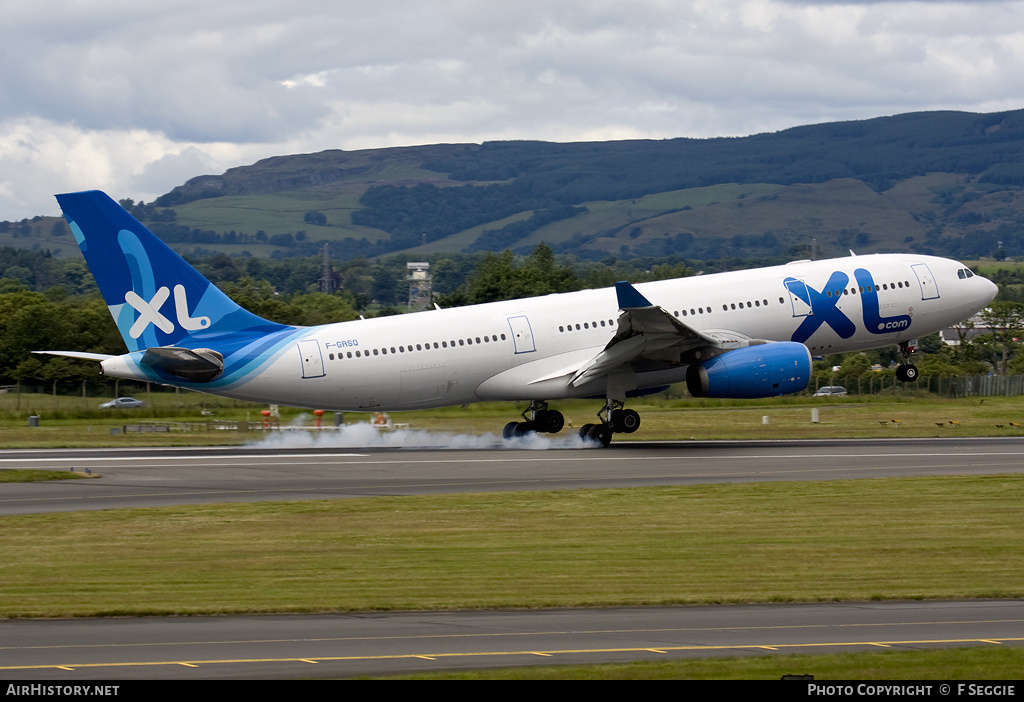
131, 96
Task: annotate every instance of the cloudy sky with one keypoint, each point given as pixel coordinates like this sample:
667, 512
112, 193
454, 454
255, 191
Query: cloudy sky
136, 97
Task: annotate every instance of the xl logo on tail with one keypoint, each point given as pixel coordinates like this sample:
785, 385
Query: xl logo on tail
149, 312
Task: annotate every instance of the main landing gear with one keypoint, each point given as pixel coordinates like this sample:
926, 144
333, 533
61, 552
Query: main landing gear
906, 371
541, 420
615, 419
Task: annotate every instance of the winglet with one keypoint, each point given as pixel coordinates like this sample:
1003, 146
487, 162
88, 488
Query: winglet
629, 296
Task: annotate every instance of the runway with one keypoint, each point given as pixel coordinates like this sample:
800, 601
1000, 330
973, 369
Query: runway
162, 477
345, 645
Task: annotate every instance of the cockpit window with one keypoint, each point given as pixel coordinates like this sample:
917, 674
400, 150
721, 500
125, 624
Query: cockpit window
964, 273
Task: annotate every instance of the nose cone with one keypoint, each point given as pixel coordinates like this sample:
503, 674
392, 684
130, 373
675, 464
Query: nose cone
989, 290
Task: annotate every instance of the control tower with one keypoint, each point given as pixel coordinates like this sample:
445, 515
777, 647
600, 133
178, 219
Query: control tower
418, 276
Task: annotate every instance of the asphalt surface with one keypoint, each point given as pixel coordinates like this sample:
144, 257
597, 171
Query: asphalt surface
161, 477
363, 644
347, 645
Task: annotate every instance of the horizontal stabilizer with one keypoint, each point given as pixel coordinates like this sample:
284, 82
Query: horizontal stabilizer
198, 365
79, 354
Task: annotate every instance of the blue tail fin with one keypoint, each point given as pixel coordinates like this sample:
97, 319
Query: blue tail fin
156, 298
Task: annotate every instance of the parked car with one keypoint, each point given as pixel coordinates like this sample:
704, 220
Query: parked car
123, 403
831, 391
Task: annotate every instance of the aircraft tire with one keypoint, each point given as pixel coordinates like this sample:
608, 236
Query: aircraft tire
627, 421
549, 421
601, 433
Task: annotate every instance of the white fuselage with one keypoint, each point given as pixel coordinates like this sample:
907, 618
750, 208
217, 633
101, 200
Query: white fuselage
526, 349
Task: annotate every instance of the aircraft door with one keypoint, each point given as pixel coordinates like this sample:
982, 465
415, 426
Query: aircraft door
312, 359
929, 290
522, 334
799, 298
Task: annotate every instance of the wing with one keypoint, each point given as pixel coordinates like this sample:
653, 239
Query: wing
647, 332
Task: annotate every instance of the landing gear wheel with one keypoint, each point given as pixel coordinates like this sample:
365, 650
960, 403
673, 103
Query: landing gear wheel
906, 373
514, 429
549, 421
585, 429
600, 433
626, 421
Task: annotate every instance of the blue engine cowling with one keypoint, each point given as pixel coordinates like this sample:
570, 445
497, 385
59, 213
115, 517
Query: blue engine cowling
765, 370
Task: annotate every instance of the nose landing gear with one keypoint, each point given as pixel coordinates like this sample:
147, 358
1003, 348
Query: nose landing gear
906, 371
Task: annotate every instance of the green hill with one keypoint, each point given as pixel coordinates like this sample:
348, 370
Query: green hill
949, 183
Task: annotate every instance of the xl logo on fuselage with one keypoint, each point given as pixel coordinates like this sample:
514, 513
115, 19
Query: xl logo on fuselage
149, 312
824, 309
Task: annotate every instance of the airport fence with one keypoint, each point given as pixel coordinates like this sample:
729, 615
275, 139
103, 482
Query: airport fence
946, 386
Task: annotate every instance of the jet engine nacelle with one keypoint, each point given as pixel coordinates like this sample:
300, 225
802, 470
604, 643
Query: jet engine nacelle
765, 370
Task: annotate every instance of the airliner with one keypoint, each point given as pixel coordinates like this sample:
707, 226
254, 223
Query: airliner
743, 334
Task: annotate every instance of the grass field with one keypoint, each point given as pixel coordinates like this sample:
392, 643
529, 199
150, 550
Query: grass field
76, 421
951, 537
984, 663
